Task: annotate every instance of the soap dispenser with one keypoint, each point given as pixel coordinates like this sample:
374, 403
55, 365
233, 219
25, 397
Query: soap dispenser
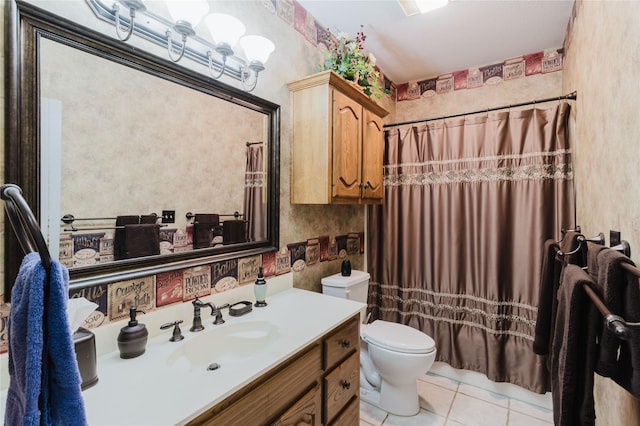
345, 270
132, 339
260, 290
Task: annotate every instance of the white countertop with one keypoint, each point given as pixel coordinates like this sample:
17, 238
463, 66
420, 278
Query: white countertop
148, 391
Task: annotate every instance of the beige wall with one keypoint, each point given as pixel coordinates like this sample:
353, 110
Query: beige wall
603, 65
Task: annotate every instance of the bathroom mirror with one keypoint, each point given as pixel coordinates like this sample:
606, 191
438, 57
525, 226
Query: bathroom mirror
104, 130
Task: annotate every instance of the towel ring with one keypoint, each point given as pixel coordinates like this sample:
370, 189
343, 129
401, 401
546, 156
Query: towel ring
580, 240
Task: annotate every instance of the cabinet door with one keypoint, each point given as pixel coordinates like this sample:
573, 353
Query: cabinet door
372, 152
305, 412
347, 155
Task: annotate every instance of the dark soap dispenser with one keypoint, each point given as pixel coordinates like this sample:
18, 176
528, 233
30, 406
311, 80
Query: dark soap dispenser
132, 340
345, 270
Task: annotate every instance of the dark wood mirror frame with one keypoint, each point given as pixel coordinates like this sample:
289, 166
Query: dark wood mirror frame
25, 24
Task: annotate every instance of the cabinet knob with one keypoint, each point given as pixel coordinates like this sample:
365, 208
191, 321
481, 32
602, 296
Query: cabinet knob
365, 186
346, 385
345, 343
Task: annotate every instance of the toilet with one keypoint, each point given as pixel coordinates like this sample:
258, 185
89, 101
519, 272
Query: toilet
392, 356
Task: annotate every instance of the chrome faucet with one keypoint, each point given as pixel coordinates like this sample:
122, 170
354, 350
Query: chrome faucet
197, 319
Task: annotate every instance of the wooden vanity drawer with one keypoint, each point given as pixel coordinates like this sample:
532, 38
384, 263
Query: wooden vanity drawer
341, 385
342, 343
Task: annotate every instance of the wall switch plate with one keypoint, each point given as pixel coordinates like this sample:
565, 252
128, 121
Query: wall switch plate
614, 238
168, 216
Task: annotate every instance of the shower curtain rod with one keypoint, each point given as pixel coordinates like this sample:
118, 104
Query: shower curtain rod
570, 96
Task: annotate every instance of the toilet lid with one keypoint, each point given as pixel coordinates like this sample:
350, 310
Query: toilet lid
397, 337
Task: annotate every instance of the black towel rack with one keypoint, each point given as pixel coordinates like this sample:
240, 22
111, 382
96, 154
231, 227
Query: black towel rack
598, 239
24, 223
69, 219
235, 215
615, 323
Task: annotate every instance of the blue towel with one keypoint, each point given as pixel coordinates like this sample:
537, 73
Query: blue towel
45, 380
26, 343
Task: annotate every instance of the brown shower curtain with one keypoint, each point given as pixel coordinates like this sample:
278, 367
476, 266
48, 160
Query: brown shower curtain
456, 248
255, 212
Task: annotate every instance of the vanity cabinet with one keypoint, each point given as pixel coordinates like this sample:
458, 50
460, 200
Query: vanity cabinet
337, 142
317, 386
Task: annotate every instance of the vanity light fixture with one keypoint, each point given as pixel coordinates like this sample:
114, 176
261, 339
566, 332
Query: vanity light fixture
186, 14
257, 50
225, 31
133, 6
217, 52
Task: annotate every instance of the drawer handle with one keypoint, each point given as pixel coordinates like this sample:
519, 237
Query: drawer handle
346, 385
345, 343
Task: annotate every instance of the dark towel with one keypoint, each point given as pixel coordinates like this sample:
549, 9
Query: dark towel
209, 218
234, 231
619, 359
148, 219
203, 226
49, 372
141, 240
547, 302
632, 356
574, 350
119, 246
593, 250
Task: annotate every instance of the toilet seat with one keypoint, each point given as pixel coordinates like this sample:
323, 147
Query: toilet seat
397, 338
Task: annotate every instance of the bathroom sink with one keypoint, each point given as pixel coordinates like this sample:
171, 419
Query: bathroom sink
223, 346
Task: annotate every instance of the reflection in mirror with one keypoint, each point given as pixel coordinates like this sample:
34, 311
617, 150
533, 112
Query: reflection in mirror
102, 130
128, 144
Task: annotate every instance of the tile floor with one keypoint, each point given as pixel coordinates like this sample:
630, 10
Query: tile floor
448, 402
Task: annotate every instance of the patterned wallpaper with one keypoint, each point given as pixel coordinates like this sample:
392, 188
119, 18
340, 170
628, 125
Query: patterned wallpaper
156, 291
491, 75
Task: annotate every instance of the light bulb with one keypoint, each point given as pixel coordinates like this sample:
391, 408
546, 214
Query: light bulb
224, 28
257, 48
191, 11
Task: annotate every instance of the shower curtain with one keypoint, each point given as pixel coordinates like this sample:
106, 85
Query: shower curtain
456, 247
255, 212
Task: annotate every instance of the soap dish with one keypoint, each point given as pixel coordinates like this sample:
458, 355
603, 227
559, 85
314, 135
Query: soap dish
240, 308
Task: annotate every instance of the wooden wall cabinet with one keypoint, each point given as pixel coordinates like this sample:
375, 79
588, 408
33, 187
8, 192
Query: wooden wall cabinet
337, 142
318, 386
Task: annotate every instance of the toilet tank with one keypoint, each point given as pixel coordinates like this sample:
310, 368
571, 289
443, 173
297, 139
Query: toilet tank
353, 287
